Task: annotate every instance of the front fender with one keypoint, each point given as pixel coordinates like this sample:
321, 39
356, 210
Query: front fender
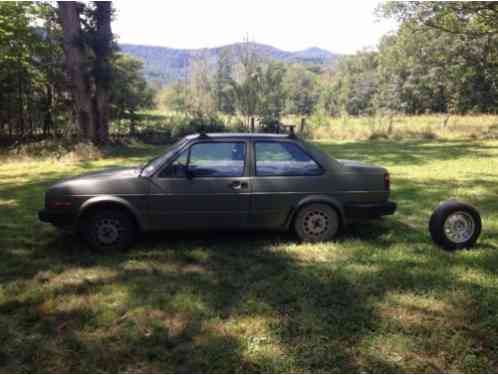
113, 200
318, 198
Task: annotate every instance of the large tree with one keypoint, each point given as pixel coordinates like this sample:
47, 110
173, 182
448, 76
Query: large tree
88, 53
103, 69
76, 67
475, 19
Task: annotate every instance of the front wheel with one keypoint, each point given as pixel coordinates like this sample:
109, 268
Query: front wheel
109, 230
317, 222
455, 225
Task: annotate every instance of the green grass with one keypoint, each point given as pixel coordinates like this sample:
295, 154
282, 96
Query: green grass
381, 298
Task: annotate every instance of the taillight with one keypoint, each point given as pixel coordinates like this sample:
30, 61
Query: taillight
59, 204
387, 181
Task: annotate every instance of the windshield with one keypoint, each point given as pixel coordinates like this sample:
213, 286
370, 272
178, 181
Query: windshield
152, 165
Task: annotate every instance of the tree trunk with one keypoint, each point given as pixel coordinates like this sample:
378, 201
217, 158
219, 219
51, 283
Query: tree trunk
303, 125
47, 120
133, 129
103, 50
20, 127
78, 81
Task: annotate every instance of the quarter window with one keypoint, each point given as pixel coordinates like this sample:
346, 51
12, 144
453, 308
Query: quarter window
220, 159
177, 168
284, 159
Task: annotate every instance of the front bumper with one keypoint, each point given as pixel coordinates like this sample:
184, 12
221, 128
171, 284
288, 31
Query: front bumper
59, 219
369, 210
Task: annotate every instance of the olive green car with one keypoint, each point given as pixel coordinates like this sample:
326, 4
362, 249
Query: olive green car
222, 181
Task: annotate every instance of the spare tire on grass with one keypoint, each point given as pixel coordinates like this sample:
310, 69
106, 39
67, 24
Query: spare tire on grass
455, 225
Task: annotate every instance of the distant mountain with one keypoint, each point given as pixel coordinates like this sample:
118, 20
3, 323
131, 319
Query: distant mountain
165, 64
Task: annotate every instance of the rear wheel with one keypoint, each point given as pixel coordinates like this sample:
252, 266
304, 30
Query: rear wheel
317, 222
109, 230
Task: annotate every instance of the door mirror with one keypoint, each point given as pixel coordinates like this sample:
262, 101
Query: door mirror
189, 173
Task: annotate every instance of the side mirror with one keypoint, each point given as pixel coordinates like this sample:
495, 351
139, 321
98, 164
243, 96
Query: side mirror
189, 173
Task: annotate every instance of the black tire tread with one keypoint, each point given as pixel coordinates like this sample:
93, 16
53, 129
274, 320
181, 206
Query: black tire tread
333, 212
127, 221
438, 218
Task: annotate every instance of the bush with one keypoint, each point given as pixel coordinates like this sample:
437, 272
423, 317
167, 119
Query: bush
188, 125
376, 135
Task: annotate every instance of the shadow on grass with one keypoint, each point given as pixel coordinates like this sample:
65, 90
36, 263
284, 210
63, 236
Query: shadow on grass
199, 305
249, 302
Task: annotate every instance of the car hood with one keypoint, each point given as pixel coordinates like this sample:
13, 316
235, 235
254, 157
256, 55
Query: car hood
110, 173
107, 181
355, 165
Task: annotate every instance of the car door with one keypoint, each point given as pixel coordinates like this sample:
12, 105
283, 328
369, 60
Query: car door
283, 174
206, 186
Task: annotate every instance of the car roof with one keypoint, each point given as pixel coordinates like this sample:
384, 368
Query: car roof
238, 136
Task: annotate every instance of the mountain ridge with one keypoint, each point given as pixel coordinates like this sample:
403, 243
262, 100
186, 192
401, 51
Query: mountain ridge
166, 64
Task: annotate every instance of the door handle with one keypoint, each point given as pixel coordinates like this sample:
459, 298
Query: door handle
237, 185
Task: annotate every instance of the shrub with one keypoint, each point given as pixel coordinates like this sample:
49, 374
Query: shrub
188, 125
375, 135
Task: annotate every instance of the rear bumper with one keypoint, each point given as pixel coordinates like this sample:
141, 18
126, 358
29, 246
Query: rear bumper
369, 210
59, 219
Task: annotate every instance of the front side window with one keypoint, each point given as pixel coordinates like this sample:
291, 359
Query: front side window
153, 165
220, 159
284, 159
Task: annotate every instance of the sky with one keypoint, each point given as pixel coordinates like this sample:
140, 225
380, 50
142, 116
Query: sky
291, 25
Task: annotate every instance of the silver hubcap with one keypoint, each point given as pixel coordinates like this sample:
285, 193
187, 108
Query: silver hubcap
108, 231
459, 227
316, 223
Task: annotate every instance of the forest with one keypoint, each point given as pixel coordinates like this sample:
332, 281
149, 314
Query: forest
443, 60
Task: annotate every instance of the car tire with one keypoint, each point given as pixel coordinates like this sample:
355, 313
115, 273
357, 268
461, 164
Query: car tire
316, 222
109, 230
455, 225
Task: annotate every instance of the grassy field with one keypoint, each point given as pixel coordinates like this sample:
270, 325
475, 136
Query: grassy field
381, 298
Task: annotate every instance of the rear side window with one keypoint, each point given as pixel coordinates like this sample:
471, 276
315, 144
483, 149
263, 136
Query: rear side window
284, 159
220, 159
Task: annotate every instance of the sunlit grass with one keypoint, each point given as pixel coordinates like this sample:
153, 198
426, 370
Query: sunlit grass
382, 298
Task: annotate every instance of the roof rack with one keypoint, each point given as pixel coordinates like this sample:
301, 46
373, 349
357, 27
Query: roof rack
203, 134
290, 130
292, 134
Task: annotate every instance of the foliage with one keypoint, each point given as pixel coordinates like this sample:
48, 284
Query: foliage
272, 93
301, 89
34, 90
224, 93
189, 125
474, 19
444, 58
130, 92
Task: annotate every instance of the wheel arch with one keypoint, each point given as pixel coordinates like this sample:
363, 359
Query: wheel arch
324, 199
109, 201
